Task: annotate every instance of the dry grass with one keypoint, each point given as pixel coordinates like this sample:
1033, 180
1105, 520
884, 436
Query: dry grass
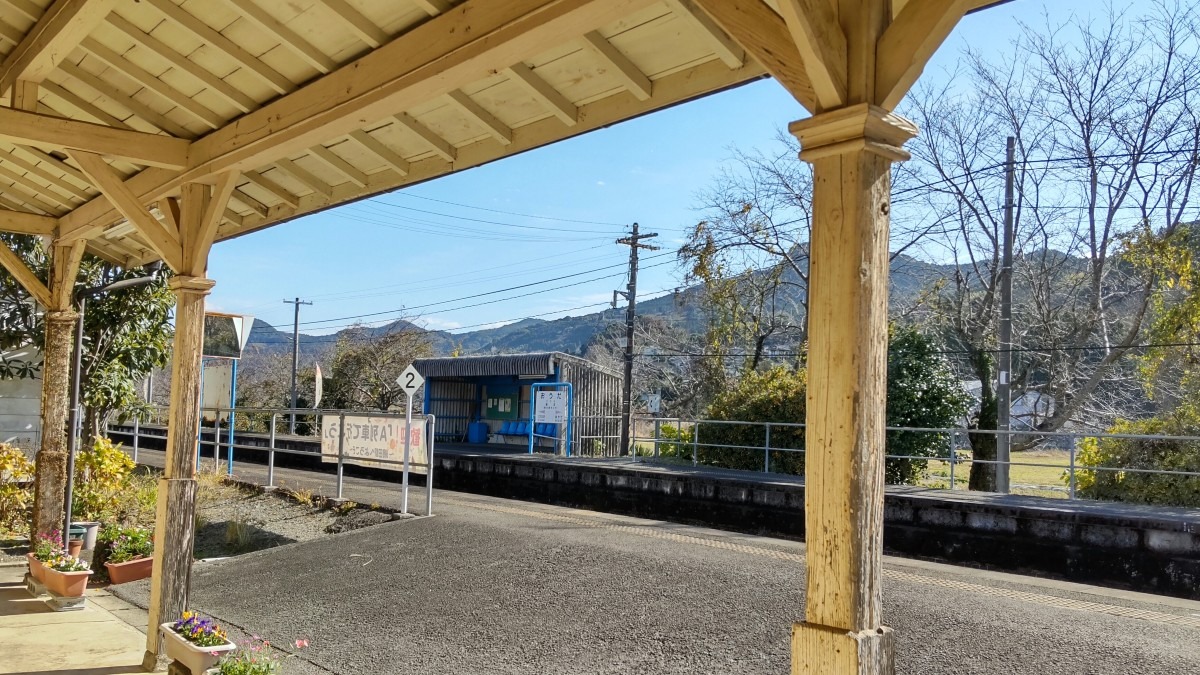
1043, 480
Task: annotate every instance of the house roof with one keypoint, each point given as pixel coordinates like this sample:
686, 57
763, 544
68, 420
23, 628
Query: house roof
540, 364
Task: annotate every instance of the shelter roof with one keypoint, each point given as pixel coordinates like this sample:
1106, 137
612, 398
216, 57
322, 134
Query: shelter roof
538, 364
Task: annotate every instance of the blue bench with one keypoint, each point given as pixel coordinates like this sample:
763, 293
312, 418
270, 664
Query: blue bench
542, 430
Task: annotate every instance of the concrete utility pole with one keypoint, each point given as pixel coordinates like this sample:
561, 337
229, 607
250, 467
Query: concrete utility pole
1004, 367
633, 241
295, 358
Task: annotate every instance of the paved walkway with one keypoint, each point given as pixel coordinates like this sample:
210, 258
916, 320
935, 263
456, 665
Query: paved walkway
496, 586
105, 638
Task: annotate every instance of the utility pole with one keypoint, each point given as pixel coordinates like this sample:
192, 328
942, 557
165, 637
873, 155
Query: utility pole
1004, 367
295, 358
633, 241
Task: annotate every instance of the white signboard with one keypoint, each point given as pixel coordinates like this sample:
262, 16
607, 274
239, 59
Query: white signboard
551, 407
410, 381
370, 439
654, 403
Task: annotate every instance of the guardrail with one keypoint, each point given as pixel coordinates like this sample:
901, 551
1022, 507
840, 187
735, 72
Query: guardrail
229, 445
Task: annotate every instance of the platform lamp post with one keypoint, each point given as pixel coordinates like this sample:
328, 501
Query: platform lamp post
81, 297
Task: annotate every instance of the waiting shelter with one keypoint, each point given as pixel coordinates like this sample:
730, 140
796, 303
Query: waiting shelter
491, 399
143, 130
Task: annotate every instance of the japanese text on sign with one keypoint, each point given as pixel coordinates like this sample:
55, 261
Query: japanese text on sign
551, 407
374, 441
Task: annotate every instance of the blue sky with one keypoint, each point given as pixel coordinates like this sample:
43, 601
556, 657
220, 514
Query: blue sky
421, 251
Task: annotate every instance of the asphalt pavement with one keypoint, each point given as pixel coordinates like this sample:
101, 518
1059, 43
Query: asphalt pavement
496, 586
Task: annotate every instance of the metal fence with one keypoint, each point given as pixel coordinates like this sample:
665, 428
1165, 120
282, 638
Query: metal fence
1051, 467
223, 443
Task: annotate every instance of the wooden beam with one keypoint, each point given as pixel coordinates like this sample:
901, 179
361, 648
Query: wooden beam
56, 132
64, 269
333, 161
25, 95
543, 92
286, 36
198, 226
86, 107
764, 35
436, 143
364, 28
822, 45
630, 76
25, 276
183, 64
152, 83
11, 34
305, 176
433, 7
909, 42
377, 148
36, 188
499, 130
31, 196
52, 39
218, 41
274, 188
164, 241
726, 49
169, 208
26, 8
139, 109
53, 161
251, 203
21, 222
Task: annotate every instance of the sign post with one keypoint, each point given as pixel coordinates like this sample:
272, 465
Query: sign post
410, 381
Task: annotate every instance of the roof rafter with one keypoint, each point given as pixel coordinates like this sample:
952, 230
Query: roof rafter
274, 188
631, 77
139, 109
26, 223
288, 37
37, 188
433, 7
87, 108
332, 160
499, 130
57, 32
152, 83
822, 45
726, 49
55, 181
435, 142
383, 152
543, 92
305, 176
364, 28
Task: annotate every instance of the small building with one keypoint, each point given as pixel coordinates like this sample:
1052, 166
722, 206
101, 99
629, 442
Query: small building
21, 398
497, 391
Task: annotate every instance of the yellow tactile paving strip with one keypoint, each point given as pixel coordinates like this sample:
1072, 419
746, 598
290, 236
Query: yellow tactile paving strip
655, 532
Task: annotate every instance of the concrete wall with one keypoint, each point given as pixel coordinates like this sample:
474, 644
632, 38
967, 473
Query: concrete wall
1125, 546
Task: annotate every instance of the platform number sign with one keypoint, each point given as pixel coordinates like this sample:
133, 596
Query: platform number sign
410, 381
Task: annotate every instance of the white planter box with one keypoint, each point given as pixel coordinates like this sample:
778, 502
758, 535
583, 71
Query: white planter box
197, 659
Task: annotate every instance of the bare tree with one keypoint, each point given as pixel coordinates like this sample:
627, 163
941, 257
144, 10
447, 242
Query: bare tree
1107, 136
364, 367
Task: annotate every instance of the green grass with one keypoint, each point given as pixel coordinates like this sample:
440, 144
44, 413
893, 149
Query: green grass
1045, 480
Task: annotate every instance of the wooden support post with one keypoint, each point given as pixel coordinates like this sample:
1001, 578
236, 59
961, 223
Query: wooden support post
174, 523
50, 474
852, 150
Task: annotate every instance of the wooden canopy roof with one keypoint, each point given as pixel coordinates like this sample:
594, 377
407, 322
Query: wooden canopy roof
292, 107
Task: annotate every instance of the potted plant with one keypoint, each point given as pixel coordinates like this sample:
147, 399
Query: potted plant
195, 642
129, 555
46, 547
252, 657
65, 576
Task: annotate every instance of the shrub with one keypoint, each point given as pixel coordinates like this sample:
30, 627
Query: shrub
101, 479
1135, 453
776, 395
674, 442
252, 657
16, 495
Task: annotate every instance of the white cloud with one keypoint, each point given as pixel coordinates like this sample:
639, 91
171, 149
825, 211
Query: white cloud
439, 324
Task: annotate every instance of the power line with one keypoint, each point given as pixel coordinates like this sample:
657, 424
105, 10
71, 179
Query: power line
510, 213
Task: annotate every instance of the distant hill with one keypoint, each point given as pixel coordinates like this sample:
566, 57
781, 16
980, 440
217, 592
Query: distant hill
571, 334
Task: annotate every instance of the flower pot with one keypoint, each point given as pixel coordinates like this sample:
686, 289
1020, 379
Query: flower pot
90, 529
131, 570
197, 659
65, 584
35, 567
73, 547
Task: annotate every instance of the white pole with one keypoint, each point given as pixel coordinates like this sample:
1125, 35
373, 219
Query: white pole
407, 448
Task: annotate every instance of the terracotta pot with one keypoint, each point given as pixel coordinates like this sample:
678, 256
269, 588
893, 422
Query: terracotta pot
74, 546
131, 570
66, 584
35, 567
197, 659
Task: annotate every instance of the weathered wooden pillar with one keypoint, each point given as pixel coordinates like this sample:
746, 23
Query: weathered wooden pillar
851, 150
50, 474
174, 524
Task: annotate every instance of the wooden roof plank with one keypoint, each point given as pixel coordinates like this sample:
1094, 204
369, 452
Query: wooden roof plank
57, 132
286, 36
439, 145
251, 203
52, 39
625, 70
361, 26
152, 82
274, 188
305, 176
329, 158
765, 36
139, 109
183, 64
55, 162
433, 7
11, 34
215, 39
37, 189
726, 49
86, 107
54, 180
499, 130
380, 150
29, 10
543, 92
